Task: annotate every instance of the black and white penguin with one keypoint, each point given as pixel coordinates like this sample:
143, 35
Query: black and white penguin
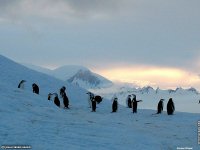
93, 105
90, 98
170, 107
56, 99
160, 106
134, 103
35, 88
62, 90
128, 101
114, 105
65, 100
21, 84
64, 97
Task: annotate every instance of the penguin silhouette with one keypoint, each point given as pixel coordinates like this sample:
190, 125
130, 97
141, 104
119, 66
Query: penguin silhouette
170, 107
160, 106
114, 105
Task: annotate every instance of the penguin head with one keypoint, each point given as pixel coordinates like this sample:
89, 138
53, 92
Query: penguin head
23, 81
49, 96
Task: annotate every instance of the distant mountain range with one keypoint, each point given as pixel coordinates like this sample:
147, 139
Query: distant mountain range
126, 90
83, 77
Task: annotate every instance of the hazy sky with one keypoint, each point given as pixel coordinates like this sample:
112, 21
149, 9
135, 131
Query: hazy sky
155, 42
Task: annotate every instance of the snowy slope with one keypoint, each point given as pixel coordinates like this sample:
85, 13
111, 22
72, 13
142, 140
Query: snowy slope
30, 119
12, 73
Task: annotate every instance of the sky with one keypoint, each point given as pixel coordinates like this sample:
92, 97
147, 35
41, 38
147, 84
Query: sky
146, 42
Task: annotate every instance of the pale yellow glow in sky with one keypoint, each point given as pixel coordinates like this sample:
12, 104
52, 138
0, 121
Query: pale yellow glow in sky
153, 76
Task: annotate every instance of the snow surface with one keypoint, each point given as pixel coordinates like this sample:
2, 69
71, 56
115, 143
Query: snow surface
30, 119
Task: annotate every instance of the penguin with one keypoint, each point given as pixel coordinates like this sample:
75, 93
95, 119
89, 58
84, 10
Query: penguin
90, 97
134, 103
49, 96
35, 88
98, 99
128, 101
21, 84
114, 105
56, 99
64, 96
65, 100
170, 107
160, 106
93, 105
62, 90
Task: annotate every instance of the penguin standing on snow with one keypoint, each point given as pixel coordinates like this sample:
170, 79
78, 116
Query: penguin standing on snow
64, 96
56, 99
128, 101
134, 103
93, 105
114, 105
21, 84
35, 88
170, 107
65, 101
62, 90
160, 106
90, 98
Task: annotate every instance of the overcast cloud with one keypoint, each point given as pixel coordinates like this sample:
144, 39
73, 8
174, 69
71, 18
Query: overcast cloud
102, 33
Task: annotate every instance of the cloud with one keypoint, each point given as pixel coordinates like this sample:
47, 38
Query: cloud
154, 76
61, 10
103, 33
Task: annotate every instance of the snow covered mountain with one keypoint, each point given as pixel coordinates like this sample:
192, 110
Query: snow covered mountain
89, 80
78, 75
30, 119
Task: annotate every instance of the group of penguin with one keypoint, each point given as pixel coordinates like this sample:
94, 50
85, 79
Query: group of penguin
93, 100
56, 99
34, 86
53, 96
170, 107
133, 104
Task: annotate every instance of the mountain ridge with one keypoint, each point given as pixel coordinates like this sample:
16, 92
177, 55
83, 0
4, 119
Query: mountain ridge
78, 75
